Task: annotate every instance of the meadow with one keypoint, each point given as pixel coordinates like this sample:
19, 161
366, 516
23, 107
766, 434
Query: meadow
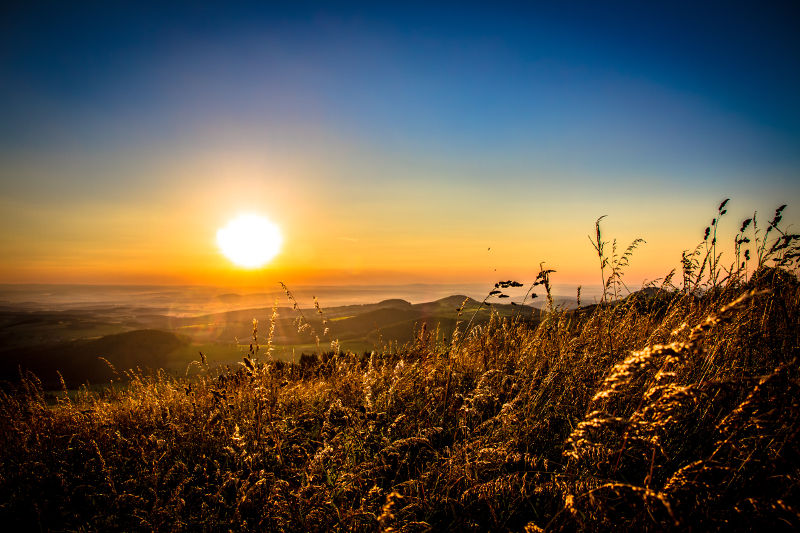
676, 407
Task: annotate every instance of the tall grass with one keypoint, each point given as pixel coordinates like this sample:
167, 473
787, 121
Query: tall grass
669, 409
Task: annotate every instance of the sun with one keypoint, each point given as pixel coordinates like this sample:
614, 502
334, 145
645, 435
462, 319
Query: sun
249, 240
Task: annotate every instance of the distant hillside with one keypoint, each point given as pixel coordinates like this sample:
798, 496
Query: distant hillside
79, 361
71, 341
395, 302
389, 320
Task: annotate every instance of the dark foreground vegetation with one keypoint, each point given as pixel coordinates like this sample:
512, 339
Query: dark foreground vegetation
675, 408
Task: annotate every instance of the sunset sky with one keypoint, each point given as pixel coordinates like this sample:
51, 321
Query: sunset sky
390, 142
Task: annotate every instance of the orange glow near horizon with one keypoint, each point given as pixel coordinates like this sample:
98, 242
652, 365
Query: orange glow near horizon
340, 232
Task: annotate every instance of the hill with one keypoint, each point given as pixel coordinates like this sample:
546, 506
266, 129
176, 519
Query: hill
78, 361
71, 341
357, 327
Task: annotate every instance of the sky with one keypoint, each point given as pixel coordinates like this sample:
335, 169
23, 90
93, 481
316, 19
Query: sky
390, 142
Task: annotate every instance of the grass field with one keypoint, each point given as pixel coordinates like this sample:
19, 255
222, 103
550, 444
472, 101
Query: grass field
675, 408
